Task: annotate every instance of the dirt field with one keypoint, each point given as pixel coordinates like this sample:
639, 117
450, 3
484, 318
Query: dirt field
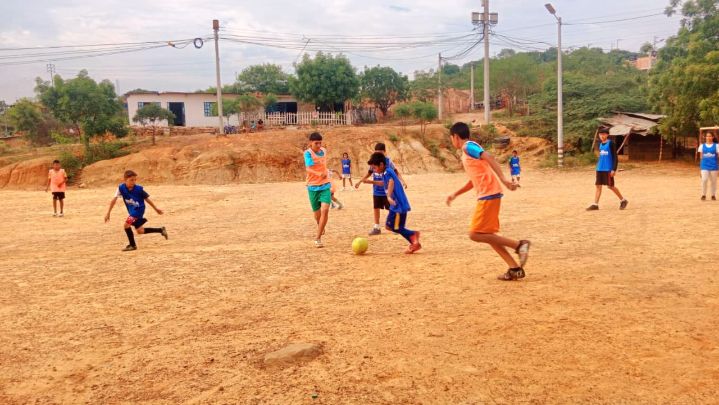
617, 306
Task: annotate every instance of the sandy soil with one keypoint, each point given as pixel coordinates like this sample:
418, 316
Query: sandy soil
617, 306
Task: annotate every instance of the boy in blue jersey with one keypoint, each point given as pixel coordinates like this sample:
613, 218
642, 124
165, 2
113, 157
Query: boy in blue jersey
379, 196
709, 165
514, 169
134, 197
606, 170
346, 170
398, 202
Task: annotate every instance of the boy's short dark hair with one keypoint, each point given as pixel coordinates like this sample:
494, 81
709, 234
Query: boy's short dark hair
130, 173
377, 159
346, 154
55, 161
460, 129
604, 130
380, 146
514, 151
315, 136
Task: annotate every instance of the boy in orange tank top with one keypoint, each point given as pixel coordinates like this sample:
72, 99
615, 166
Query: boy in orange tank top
481, 169
57, 183
318, 183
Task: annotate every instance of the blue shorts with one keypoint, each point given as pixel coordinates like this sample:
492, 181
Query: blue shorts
396, 220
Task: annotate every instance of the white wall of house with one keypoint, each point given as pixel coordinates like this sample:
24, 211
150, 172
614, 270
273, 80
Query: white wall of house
195, 112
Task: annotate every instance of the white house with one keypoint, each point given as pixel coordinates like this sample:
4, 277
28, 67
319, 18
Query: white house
195, 109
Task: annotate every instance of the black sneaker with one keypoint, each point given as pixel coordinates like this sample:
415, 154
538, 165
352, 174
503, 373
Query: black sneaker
714, 198
623, 204
129, 248
593, 207
164, 232
704, 198
512, 274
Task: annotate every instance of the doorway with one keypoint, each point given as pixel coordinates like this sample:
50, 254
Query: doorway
179, 110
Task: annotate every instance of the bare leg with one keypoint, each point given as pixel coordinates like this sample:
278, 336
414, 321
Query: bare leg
343, 182
597, 194
62, 206
54, 205
376, 216
322, 216
616, 191
350, 179
506, 256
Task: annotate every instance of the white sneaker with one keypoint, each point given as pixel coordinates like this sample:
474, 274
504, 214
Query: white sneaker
318, 244
61, 215
54, 214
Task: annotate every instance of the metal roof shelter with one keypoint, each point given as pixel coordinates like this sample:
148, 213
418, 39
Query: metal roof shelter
625, 124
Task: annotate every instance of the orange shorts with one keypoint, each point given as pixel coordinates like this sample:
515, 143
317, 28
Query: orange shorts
486, 216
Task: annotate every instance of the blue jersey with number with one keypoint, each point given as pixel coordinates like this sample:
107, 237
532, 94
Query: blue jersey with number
134, 199
709, 157
514, 164
346, 166
606, 160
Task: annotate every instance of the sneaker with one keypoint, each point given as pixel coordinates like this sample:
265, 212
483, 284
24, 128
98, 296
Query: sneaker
54, 214
375, 231
512, 274
523, 252
332, 205
318, 244
714, 198
129, 248
61, 215
164, 232
340, 206
415, 246
593, 207
704, 198
623, 204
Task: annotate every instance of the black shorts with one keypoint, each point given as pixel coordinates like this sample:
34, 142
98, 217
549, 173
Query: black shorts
58, 195
136, 222
380, 202
604, 179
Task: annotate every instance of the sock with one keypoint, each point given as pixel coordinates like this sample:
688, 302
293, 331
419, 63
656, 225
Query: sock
376, 226
406, 233
130, 236
153, 230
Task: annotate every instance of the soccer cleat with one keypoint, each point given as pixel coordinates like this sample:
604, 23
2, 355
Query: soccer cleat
332, 205
54, 214
415, 246
523, 252
704, 198
623, 204
340, 206
164, 232
593, 207
129, 248
512, 274
375, 231
318, 244
714, 198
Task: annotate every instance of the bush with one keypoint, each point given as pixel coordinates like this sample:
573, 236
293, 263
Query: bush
71, 163
487, 134
103, 151
61, 139
393, 138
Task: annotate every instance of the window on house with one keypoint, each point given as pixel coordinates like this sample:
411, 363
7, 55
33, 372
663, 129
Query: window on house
209, 107
141, 104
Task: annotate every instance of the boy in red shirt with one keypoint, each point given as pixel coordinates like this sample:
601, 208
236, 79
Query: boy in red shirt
57, 183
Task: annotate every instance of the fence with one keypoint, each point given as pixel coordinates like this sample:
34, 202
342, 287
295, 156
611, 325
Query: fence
278, 119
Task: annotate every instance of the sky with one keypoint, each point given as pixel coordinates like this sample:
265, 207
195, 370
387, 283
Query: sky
45, 23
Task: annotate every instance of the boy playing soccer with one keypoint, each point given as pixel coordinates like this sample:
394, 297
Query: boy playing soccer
398, 203
379, 196
514, 169
57, 183
606, 170
346, 170
479, 166
134, 197
318, 183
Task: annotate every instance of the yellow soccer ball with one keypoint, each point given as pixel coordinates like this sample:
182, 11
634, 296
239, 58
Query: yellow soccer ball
359, 245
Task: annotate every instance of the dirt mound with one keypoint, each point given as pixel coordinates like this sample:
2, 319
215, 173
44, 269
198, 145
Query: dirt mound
28, 174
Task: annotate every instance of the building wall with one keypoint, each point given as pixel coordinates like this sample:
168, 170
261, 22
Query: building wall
194, 106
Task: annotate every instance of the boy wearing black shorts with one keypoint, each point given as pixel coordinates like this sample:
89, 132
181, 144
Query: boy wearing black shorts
134, 197
606, 170
379, 195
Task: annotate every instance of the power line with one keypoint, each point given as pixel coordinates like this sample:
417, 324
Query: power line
614, 21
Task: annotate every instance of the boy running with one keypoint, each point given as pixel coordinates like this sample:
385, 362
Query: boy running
379, 196
514, 169
134, 197
399, 205
318, 183
606, 170
346, 170
57, 183
479, 166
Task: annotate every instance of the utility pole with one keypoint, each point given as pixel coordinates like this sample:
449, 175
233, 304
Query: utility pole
51, 70
471, 87
216, 28
485, 26
560, 102
439, 86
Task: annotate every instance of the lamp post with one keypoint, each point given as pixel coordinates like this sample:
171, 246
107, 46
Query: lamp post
560, 104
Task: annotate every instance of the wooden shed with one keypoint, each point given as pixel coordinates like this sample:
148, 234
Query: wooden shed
636, 135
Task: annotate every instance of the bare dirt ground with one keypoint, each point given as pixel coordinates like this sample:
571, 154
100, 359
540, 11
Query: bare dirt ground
617, 306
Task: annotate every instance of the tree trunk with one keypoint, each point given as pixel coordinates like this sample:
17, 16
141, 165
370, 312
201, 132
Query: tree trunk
154, 128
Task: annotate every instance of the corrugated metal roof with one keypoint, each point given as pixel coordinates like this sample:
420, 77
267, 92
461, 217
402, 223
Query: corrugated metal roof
652, 117
636, 123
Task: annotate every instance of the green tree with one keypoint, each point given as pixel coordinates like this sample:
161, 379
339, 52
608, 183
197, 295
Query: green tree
403, 111
26, 116
153, 114
265, 78
383, 86
646, 49
92, 108
425, 113
684, 83
324, 80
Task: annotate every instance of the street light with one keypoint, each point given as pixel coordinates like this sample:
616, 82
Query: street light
560, 106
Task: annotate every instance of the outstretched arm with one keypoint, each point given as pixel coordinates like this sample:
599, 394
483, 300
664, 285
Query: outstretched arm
459, 192
109, 209
152, 204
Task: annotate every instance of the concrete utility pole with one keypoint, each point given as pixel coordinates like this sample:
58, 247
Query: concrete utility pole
51, 70
471, 87
216, 28
560, 101
439, 86
485, 26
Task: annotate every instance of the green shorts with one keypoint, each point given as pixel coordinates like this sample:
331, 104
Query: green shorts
319, 197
